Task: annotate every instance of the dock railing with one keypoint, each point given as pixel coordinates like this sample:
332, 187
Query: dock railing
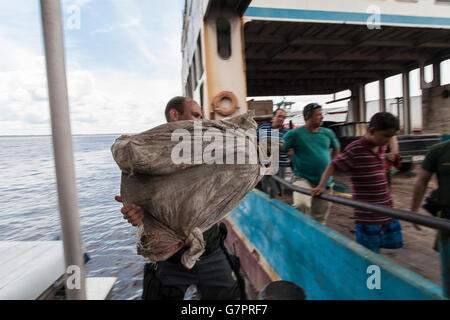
443, 225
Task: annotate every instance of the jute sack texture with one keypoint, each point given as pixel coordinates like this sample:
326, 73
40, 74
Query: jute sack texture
182, 199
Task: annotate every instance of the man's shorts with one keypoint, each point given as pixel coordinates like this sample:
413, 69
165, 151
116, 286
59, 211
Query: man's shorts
374, 237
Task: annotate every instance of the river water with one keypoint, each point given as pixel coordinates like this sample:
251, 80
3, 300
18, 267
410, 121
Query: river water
29, 205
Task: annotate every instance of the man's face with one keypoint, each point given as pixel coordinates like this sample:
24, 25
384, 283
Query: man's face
316, 120
278, 119
192, 111
380, 137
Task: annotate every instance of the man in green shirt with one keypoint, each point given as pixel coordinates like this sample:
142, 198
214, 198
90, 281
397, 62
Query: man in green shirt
437, 161
314, 148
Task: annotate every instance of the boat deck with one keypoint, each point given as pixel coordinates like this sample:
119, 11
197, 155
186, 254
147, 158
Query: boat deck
31, 269
417, 253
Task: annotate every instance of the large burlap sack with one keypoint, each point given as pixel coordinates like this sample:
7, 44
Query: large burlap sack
182, 199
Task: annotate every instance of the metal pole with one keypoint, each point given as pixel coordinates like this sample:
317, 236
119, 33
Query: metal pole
362, 102
444, 251
432, 222
406, 104
62, 147
382, 91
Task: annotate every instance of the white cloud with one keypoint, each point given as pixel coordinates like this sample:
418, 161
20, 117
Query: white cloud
102, 100
78, 3
135, 22
107, 101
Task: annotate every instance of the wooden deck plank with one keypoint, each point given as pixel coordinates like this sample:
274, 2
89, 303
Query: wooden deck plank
8, 246
39, 264
22, 254
99, 288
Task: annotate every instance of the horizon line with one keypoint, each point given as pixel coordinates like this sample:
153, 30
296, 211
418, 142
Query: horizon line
73, 135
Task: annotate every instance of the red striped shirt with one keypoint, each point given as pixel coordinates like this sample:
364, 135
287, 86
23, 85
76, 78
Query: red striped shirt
368, 175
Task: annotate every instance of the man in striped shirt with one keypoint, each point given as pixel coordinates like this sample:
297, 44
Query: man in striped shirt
364, 159
274, 131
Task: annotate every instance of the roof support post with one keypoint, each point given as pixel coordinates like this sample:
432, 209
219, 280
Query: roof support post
406, 104
382, 94
362, 102
353, 106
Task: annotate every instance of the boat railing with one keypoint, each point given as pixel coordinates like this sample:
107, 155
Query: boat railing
443, 225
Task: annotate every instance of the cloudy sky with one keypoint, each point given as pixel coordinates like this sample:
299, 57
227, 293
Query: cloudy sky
123, 59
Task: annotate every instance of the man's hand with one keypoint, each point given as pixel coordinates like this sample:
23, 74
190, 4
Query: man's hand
391, 157
317, 191
133, 213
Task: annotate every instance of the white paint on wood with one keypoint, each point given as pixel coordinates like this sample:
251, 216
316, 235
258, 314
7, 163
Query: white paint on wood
99, 288
29, 268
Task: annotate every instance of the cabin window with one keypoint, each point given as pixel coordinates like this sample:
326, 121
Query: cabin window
192, 74
428, 73
189, 86
223, 38
201, 99
199, 59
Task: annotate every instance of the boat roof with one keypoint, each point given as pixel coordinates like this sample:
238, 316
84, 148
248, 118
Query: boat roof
323, 58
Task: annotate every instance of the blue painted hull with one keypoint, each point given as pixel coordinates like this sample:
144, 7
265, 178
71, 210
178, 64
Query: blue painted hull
324, 263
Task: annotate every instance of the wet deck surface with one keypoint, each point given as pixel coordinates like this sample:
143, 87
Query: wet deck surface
417, 253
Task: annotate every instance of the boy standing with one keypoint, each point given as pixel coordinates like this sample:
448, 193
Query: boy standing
364, 159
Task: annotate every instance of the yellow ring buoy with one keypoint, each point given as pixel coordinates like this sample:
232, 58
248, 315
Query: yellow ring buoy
217, 106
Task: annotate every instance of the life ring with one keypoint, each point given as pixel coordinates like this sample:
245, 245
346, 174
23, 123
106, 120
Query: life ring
217, 105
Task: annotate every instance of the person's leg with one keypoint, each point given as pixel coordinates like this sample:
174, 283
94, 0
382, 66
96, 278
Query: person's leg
443, 244
216, 279
321, 208
264, 184
391, 235
150, 286
274, 188
302, 202
369, 236
167, 281
281, 173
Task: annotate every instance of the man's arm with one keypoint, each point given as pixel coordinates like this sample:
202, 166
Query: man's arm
335, 146
329, 171
335, 152
393, 149
286, 142
393, 145
419, 191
